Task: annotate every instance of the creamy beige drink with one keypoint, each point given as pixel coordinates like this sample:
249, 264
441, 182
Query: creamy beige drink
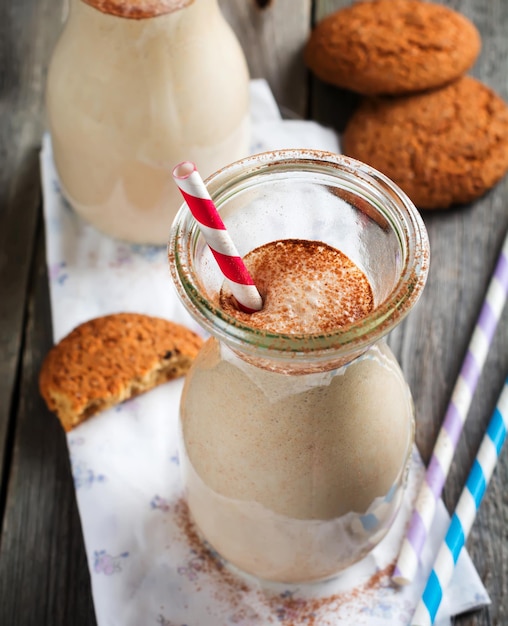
133, 89
296, 422
292, 477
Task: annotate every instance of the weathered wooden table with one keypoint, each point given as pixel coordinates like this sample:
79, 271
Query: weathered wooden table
43, 570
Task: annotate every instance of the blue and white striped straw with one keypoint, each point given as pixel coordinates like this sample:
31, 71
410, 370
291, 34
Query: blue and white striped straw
456, 414
465, 513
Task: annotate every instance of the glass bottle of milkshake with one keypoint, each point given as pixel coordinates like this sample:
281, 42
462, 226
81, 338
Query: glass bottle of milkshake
135, 86
296, 422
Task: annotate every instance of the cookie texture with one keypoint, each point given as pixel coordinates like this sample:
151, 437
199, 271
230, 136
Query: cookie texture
109, 359
381, 47
444, 147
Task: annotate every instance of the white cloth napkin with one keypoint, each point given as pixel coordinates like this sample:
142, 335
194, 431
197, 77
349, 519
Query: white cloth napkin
146, 568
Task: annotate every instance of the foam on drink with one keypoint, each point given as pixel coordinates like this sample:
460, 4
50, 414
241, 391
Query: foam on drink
307, 287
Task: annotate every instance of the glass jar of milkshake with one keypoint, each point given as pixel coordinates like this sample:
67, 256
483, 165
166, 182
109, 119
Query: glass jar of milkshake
135, 86
296, 422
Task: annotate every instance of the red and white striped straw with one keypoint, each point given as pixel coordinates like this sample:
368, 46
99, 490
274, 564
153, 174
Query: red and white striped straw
212, 227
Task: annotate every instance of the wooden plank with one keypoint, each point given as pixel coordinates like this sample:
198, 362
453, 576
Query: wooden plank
273, 39
42, 564
27, 32
432, 342
16, 241
328, 104
483, 227
43, 567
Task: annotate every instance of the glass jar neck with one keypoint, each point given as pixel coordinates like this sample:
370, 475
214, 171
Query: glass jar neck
306, 194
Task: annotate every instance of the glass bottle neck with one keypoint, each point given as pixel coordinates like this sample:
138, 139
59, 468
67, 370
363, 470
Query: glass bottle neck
138, 9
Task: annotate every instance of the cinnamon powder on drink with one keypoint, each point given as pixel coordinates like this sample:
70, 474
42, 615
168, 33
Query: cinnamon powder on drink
307, 287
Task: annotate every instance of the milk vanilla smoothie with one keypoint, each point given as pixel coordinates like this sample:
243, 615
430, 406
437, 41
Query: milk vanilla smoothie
134, 88
296, 422
292, 478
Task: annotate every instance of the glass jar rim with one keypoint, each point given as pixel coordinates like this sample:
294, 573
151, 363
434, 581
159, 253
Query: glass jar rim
391, 202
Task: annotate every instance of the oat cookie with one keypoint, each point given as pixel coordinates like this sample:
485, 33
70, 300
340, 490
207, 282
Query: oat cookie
444, 147
109, 359
392, 46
